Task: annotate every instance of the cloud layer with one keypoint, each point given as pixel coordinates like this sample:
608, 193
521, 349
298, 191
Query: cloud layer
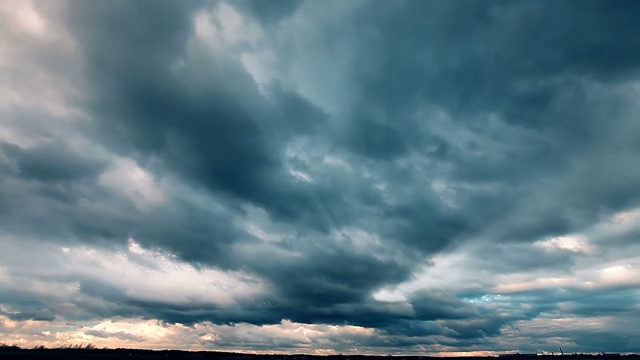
297, 176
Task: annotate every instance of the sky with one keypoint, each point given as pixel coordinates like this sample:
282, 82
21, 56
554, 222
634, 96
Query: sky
321, 177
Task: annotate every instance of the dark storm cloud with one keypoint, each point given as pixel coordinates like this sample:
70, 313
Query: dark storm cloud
268, 13
412, 55
51, 162
42, 315
205, 116
575, 301
347, 277
522, 258
374, 139
298, 114
431, 47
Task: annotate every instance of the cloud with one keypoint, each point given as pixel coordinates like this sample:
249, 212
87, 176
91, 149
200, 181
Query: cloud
41, 315
292, 176
51, 162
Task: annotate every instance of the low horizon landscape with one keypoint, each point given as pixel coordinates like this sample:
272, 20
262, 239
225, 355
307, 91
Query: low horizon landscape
321, 177
80, 350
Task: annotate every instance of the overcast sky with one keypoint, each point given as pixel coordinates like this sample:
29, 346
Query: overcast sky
406, 177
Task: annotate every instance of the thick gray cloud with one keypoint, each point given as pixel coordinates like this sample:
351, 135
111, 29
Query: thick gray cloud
426, 176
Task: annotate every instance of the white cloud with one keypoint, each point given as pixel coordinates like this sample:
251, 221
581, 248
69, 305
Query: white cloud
138, 274
157, 276
225, 31
575, 243
25, 16
134, 182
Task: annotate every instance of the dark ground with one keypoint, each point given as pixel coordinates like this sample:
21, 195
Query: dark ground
12, 352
